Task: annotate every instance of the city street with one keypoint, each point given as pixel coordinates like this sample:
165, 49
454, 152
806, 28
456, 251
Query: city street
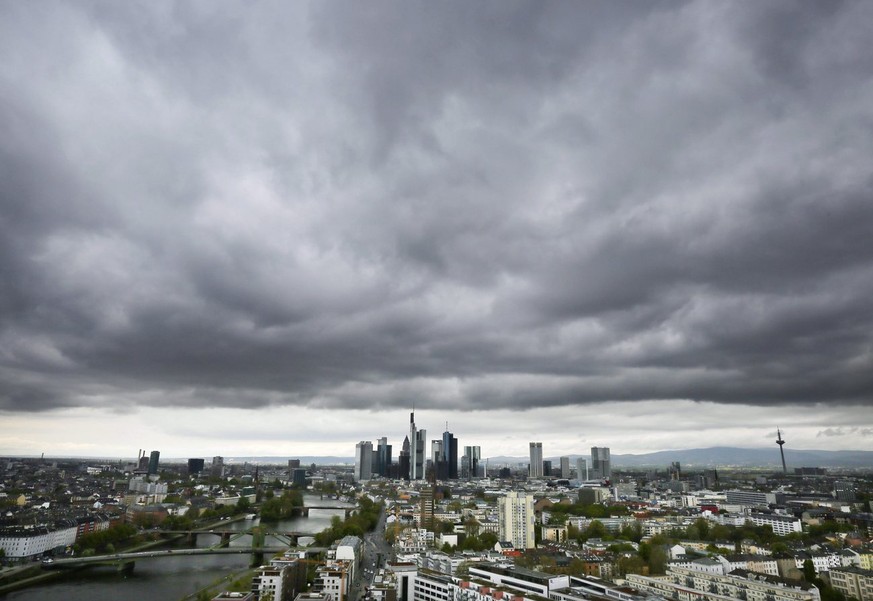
375, 553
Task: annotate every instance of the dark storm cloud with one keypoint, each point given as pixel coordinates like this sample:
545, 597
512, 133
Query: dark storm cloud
468, 206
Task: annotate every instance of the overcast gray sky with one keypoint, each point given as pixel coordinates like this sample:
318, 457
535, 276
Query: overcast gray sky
271, 227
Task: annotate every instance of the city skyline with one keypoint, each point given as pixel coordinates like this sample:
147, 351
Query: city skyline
549, 448
275, 229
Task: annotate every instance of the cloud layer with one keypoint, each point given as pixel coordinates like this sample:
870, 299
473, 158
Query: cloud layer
466, 206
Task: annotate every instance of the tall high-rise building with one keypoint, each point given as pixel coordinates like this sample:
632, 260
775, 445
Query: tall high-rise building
298, 477
383, 464
600, 462
195, 466
581, 468
536, 460
515, 519
416, 450
547, 467
436, 451
217, 468
154, 459
426, 508
404, 471
363, 460
470, 462
449, 458
565, 467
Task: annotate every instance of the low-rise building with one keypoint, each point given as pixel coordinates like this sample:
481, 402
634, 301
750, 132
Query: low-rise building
21, 542
853, 582
782, 525
520, 579
684, 584
334, 579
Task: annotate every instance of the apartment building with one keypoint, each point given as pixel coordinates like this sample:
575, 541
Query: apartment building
685, 584
853, 582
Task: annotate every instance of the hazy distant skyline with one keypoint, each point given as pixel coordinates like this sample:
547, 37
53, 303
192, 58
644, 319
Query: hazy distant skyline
271, 228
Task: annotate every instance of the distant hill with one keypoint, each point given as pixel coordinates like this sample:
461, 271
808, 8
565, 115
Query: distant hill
728, 456
689, 458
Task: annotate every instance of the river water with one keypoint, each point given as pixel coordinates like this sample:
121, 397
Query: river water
172, 578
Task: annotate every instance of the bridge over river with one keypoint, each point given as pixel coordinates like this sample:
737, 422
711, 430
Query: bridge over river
125, 561
290, 538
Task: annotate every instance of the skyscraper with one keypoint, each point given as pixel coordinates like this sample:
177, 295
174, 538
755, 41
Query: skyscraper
470, 462
383, 465
426, 508
403, 468
450, 456
363, 460
217, 468
195, 466
154, 459
600, 462
536, 460
416, 450
581, 468
435, 467
515, 519
565, 467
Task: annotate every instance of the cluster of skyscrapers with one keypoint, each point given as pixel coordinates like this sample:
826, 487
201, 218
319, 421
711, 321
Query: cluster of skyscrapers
444, 463
412, 462
599, 470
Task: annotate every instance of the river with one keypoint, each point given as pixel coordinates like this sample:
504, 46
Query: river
171, 578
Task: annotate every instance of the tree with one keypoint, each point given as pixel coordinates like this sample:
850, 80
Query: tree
471, 526
632, 532
243, 504
443, 527
779, 548
657, 560
808, 570
630, 565
572, 531
274, 509
463, 571
595, 529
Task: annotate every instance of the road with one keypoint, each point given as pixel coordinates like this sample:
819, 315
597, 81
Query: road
376, 552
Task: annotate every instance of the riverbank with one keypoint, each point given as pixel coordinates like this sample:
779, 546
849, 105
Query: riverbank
170, 577
29, 576
240, 581
33, 575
